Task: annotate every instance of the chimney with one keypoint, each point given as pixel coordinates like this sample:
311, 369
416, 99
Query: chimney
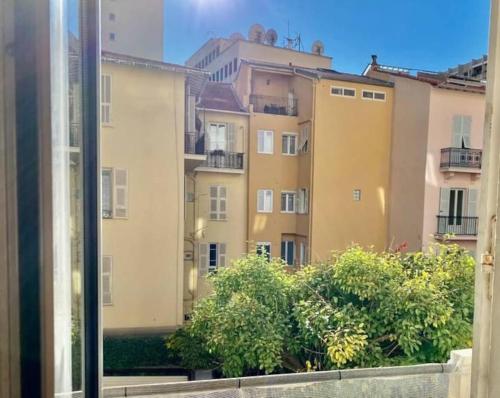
374, 60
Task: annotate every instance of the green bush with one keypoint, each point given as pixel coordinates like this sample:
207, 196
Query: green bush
361, 308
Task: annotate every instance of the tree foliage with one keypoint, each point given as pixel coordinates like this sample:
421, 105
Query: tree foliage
360, 308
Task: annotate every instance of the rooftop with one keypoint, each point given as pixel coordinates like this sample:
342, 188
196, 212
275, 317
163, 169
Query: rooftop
220, 96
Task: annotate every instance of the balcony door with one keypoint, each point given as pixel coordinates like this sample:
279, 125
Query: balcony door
217, 137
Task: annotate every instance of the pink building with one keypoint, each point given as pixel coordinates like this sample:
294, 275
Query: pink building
435, 157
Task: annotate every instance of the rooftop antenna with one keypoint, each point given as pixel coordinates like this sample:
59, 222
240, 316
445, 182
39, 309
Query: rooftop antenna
292, 42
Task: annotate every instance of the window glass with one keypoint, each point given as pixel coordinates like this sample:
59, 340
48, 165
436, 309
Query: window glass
265, 141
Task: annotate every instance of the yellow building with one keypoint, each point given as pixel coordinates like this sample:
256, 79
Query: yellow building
319, 150
216, 187
143, 117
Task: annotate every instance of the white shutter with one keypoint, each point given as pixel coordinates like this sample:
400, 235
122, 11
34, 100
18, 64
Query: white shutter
306, 200
231, 137
260, 200
472, 202
457, 131
222, 255
107, 272
213, 203
106, 99
444, 202
268, 200
269, 147
222, 202
120, 197
203, 259
466, 130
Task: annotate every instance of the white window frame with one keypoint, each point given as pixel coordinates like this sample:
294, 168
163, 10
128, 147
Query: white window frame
343, 88
108, 275
373, 92
304, 139
118, 210
264, 192
288, 136
218, 214
106, 102
287, 242
260, 244
356, 195
210, 137
265, 133
303, 201
287, 210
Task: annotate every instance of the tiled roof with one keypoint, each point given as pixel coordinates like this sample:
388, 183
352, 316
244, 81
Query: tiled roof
220, 96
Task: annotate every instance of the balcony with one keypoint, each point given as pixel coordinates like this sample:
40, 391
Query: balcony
461, 160
457, 226
220, 159
274, 105
194, 150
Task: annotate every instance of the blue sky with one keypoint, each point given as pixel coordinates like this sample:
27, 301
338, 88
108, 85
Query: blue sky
426, 34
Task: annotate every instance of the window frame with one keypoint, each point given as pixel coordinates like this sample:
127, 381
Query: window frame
287, 243
289, 135
265, 134
373, 92
264, 191
261, 244
111, 196
106, 102
343, 88
286, 193
218, 198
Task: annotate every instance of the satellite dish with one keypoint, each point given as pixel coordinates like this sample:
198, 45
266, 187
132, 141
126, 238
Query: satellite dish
271, 37
236, 36
256, 33
318, 48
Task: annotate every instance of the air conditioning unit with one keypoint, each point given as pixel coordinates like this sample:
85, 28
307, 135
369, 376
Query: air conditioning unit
188, 256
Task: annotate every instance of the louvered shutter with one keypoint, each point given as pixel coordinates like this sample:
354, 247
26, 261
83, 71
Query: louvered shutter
444, 202
466, 130
107, 271
203, 259
306, 201
120, 196
213, 203
472, 201
222, 203
222, 255
106, 99
457, 131
231, 137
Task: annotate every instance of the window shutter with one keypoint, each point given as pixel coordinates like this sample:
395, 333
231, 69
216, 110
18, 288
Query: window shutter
306, 200
269, 141
300, 201
260, 200
222, 203
107, 269
120, 196
231, 137
213, 203
283, 250
222, 255
106, 99
472, 202
444, 202
203, 259
466, 130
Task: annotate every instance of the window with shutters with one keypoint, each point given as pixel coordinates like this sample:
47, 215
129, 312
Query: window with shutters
289, 144
106, 99
211, 257
107, 280
263, 248
461, 131
218, 202
288, 251
265, 201
303, 201
217, 137
288, 202
114, 193
107, 193
265, 142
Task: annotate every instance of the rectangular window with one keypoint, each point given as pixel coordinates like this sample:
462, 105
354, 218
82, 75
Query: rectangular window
112, 36
225, 71
288, 202
373, 95
107, 280
288, 251
302, 255
303, 201
461, 131
356, 195
107, 196
218, 202
217, 137
264, 248
265, 141
106, 99
304, 139
120, 193
265, 201
215, 258
343, 91
217, 76
230, 68
235, 64
221, 74
289, 144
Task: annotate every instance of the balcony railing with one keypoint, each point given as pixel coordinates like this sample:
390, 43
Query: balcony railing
194, 144
274, 105
220, 159
461, 158
457, 225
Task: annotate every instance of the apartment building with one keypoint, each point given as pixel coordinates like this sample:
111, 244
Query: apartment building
222, 56
133, 27
143, 123
436, 156
318, 173
215, 186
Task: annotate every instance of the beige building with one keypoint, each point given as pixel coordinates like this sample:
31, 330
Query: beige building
142, 134
133, 27
216, 188
436, 157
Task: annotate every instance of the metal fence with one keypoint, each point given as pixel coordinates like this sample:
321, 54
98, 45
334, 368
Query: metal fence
274, 105
461, 157
466, 226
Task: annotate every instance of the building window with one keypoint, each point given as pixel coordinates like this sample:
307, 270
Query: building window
230, 68
461, 131
114, 193
264, 248
343, 91
302, 254
289, 144
235, 64
211, 257
304, 139
221, 74
288, 251
225, 71
356, 195
265, 140
112, 36
217, 50
265, 201
112, 16
288, 202
217, 137
303, 201
107, 280
217, 76
218, 202
107, 195
106, 99
373, 95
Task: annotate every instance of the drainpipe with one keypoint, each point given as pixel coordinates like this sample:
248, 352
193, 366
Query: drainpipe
486, 348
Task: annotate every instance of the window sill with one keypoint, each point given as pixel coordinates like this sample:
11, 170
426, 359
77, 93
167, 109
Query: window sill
264, 212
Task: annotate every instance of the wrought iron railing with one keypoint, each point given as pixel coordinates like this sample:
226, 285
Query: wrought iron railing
274, 105
457, 225
194, 143
461, 157
220, 159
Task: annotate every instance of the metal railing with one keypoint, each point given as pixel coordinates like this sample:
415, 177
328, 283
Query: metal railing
274, 105
194, 144
461, 157
457, 225
220, 159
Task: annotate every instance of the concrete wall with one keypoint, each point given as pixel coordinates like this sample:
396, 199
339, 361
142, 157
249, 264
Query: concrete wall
137, 26
146, 138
